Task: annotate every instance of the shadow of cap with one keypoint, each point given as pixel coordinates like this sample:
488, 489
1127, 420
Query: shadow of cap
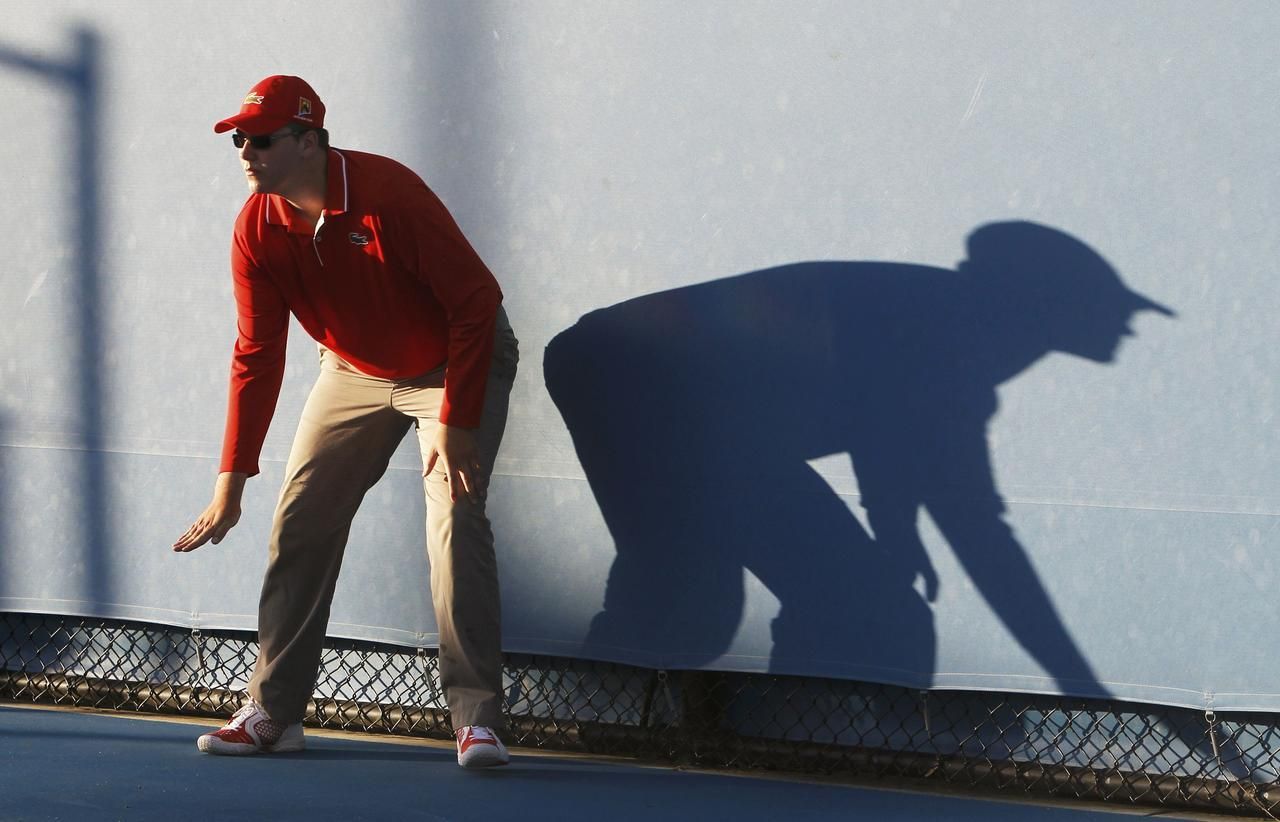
1054, 265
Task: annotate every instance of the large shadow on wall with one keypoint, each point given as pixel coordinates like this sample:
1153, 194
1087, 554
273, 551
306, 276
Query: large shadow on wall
77, 79
694, 413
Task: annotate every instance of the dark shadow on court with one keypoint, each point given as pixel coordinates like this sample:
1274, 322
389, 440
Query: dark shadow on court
154, 772
78, 79
694, 413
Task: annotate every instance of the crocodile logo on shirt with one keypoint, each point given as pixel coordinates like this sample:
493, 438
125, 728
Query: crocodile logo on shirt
358, 239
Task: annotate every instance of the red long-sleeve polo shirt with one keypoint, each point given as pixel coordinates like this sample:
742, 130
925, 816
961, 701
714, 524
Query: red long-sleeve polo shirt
387, 282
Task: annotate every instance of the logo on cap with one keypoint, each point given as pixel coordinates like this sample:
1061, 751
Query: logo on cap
255, 99
304, 107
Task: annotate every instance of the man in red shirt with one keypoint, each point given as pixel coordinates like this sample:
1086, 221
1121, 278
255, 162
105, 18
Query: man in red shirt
411, 332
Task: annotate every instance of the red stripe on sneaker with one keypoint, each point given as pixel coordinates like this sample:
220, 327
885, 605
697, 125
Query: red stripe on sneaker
238, 736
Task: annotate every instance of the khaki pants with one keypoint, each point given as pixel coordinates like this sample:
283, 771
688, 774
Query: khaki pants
350, 427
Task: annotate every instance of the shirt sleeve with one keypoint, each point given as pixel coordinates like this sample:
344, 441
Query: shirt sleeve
445, 261
257, 364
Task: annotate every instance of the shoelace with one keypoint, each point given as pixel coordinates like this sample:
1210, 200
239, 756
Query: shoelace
269, 731
480, 733
241, 716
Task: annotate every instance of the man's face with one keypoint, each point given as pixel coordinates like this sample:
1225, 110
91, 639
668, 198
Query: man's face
270, 170
1098, 336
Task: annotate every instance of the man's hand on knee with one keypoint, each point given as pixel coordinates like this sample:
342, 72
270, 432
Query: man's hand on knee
460, 453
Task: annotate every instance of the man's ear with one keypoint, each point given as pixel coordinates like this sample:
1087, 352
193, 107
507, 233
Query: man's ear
310, 140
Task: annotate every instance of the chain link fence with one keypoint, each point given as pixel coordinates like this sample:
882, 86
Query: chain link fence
1036, 745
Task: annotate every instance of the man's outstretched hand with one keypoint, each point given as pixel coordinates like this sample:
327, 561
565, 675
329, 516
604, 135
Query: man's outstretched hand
219, 518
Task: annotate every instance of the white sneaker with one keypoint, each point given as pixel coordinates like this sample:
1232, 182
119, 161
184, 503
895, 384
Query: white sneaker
251, 731
479, 747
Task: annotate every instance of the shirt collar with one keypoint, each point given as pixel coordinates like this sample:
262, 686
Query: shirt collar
336, 198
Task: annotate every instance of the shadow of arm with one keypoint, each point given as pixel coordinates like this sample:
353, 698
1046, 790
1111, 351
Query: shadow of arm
1002, 572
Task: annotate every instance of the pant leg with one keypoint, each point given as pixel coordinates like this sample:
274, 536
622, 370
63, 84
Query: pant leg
460, 548
344, 442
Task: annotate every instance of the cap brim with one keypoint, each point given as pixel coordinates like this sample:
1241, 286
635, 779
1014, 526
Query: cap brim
252, 123
1141, 303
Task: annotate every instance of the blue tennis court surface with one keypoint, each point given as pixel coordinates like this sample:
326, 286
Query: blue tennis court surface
62, 765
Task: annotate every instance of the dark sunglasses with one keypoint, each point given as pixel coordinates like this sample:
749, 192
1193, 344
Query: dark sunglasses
260, 141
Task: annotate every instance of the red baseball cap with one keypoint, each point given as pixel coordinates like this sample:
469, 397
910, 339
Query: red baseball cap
274, 103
